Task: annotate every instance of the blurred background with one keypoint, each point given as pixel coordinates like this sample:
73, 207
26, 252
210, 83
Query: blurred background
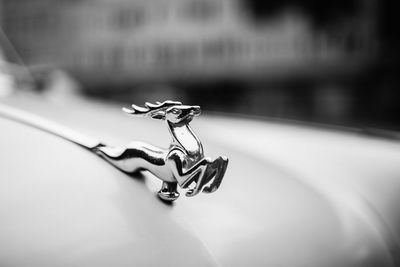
330, 62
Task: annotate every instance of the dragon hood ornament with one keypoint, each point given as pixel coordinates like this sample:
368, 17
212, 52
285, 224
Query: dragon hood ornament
183, 163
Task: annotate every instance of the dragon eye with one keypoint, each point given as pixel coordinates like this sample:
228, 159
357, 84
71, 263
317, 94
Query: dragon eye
176, 111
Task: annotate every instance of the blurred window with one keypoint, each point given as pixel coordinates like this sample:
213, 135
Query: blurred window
128, 18
222, 49
202, 10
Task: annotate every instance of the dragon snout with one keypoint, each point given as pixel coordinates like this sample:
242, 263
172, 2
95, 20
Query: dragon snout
195, 111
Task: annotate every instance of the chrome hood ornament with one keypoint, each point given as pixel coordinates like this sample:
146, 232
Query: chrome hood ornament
183, 163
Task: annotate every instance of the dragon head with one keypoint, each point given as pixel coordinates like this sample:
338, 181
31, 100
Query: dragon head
172, 111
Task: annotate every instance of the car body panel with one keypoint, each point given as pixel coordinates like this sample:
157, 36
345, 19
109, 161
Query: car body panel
289, 198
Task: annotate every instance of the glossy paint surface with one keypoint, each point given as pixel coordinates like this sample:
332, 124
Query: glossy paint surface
291, 197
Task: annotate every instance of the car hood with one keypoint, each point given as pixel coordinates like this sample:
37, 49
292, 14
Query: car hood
292, 196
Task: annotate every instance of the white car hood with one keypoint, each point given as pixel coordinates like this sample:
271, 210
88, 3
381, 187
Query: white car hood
292, 196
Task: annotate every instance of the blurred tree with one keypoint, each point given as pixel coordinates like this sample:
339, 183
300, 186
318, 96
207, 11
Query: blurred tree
322, 12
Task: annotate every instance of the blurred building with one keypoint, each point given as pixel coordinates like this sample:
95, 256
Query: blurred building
125, 40
306, 59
